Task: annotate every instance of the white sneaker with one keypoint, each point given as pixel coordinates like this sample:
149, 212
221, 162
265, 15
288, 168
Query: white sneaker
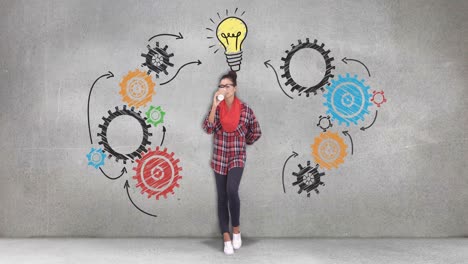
228, 250
236, 240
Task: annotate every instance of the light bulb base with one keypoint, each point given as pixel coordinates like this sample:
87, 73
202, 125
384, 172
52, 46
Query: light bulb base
234, 60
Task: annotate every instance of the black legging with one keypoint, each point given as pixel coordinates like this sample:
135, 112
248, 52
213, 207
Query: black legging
228, 186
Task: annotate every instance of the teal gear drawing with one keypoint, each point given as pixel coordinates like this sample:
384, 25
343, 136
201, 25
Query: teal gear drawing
347, 99
155, 115
96, 157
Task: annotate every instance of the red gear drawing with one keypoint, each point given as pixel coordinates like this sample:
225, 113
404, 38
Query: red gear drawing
157, 173
380, 95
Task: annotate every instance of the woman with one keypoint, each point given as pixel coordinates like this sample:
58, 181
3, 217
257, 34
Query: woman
234, 125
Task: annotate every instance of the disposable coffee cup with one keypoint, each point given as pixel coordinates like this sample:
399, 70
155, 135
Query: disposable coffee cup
220, 97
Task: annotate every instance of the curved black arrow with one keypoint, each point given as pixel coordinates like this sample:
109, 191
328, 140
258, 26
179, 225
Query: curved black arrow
352, 146
346, 59
197, 62
126, 186
172, 35
124, 170
266, 65
284, 166
109, 75
364, 128
164, 135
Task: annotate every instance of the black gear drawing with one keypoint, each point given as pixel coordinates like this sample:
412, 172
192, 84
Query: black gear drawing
157, 59
319, 124
308, 178
328, 67
103, 134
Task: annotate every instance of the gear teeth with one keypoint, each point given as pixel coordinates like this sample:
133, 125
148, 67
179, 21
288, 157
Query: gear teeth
149, 115
307, 179
287, 74
161, 57
320, 122
96, 163
146, 182
329, 160
341, 112
103, 134
373, 98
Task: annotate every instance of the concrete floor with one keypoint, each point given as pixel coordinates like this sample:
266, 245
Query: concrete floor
254, 250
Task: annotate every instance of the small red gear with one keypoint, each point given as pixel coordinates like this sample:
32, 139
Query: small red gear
380, 100
157, 173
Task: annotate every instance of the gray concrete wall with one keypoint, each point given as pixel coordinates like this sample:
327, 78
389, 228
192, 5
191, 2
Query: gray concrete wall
406, 177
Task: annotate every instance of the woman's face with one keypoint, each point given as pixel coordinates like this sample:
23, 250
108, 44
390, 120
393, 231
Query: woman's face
227, 87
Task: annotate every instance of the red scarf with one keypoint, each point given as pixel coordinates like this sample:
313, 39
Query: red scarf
230, 117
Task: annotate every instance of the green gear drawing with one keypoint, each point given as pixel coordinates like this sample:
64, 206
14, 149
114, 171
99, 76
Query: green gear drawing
155, 115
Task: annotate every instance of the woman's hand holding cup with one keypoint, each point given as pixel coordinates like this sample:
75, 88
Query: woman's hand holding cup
218, 97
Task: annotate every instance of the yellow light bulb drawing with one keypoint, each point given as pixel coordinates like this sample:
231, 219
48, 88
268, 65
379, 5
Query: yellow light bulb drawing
231, 32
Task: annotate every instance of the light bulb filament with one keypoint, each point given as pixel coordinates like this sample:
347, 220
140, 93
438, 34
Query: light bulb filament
236, 36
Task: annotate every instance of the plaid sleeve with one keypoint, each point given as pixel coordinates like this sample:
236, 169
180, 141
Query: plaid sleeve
254, 132
209, 127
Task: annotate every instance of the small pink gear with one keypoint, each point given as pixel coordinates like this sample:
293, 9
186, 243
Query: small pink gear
380, 100
157, 173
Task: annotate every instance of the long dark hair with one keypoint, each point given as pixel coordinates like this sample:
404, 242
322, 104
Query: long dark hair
232, 75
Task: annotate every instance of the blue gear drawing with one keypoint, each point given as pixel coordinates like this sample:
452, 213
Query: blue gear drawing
93, 154
348, 99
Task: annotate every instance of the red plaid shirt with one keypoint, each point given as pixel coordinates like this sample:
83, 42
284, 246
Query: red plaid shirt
229, 147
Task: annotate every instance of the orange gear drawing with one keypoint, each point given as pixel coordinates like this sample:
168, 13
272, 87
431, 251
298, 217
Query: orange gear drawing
157, 173
137, 88
329, 150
